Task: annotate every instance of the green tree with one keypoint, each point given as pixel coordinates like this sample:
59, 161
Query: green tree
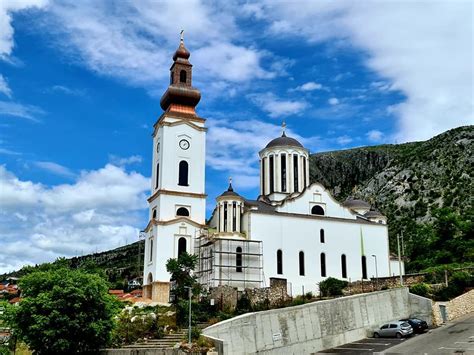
332, 287
64, 311
181, 270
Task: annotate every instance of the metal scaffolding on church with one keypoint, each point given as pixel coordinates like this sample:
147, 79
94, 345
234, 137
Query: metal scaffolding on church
236, 262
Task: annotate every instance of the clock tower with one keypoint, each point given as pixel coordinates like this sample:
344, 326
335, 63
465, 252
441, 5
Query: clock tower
177, 204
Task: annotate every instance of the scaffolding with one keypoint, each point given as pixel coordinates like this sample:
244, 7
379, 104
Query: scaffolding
236, 262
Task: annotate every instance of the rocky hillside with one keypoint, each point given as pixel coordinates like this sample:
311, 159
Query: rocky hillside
404, 181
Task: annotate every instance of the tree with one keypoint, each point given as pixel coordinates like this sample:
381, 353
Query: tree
181, 273
332, 287
64, 311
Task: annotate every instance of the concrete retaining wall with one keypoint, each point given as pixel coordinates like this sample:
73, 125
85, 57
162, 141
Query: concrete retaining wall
314, 326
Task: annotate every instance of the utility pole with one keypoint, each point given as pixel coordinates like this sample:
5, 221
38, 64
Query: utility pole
399, 261
376, 272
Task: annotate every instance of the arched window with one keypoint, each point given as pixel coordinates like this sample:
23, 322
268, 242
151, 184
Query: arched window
295, 172
225, 216
279, 262
181, 246
151, 250
182, 211
321, 236
234, 216
238, 259
301, 259
183, 173
149, 279
304, 173
343, 266
272, 175
323, 265
263, 176
171, 78
182, 76
364, 267
283, 172
157, 174
317, 210
154, 213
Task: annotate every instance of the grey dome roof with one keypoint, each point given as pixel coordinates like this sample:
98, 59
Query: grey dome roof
284, 141
355, 203
373, 214
230, 192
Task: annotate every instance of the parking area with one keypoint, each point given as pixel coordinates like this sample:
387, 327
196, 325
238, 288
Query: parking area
365, 346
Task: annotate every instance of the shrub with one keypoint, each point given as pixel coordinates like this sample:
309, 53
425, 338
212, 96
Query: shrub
332, 287
243, 305
420, 289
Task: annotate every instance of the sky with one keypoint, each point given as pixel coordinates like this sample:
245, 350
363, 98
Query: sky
80, 84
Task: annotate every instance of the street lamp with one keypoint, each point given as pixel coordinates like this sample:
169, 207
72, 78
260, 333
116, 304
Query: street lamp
190, 293
376, 272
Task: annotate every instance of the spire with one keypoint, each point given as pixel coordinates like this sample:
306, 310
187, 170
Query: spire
283, 129
230, 185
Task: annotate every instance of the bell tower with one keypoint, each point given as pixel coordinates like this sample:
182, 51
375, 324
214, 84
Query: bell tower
177, 205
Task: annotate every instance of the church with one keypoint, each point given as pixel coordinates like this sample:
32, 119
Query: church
294, 229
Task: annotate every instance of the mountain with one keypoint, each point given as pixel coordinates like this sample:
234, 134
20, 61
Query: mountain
406, 182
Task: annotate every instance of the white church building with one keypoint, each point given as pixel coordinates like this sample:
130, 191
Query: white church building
293, 230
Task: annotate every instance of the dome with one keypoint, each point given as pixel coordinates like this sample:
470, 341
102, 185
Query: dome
356, 204
181, 52
284, 141
230, 192
373, 214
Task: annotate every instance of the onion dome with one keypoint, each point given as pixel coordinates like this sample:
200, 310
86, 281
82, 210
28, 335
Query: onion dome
355, 204
284, 141
181, 52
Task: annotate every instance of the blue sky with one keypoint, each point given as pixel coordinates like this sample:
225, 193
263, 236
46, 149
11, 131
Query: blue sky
80, 84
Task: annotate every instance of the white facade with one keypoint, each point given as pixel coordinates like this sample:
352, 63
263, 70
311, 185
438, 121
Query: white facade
293, 230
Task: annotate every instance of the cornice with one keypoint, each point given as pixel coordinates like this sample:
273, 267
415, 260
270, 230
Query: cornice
175, 193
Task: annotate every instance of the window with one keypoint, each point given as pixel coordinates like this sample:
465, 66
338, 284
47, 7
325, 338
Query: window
234, 216
182, 211
364, 267
295, 172
263, 176
181, 246
171, 78
182, 76
157, 174
385, 326
343, 266
151, 250
150, 278
154, 213
279, 262
283, 172
318, 210
238, 259
321, 236
219, 218
272, 185
304, 172
301, 259
323, 265
183, 173
225, 216
393, 326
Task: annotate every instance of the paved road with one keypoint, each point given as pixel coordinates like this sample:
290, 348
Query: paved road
364, 346
453, 338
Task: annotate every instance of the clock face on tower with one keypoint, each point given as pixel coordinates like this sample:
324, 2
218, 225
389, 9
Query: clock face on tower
184, 144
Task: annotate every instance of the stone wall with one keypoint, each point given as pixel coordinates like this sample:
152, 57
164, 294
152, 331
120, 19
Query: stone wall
314, 326
455, 308
358, 287
225, 297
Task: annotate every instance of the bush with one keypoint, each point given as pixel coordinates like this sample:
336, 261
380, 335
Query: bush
332, 287
64, 311
420, 289
243, 305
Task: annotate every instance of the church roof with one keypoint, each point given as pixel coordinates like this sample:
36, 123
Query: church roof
355, 203
284, 141
230, 192
373, 214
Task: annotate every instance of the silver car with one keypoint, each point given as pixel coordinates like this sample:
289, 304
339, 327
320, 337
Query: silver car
394, 329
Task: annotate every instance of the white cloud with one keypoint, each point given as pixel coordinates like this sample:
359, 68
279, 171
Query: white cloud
343, 140
120, 161
309, 86
54, 168
375, 135
277, 107
422, 48
14, 109
100, 210
4, 88
333, 101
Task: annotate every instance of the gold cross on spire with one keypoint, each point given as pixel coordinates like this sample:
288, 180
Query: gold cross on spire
283, 128
182, 35
230, 179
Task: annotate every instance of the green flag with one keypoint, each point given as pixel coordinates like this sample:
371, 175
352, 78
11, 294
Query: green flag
362, 252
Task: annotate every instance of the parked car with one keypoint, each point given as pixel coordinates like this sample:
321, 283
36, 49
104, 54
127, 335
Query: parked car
418, 325
394, 329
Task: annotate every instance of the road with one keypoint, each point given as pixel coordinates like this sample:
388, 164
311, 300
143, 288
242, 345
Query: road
453, 338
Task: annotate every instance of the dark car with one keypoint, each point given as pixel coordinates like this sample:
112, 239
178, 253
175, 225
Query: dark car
418, 325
